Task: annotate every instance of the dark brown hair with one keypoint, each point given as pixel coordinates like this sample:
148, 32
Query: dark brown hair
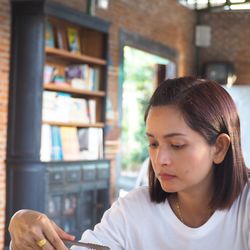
209, 110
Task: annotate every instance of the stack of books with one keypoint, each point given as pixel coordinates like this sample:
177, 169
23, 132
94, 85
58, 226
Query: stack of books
62, 107
71, 143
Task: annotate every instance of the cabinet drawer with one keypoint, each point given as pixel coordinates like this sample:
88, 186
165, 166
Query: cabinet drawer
103, 171
73, 174
89, 172
56, 176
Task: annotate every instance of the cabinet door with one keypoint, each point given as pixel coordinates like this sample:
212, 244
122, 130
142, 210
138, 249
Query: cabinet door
69, 212
54, 208
86, 210
102, 203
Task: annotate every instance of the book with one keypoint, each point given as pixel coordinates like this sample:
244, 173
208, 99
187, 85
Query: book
56, 151
83, 138
60, 38
63, 106
77, 75
95, 147
70, 143
76, 71
49, 105
48, 73
92, 110
94, 78
101, 144
46, 143
56, 106
78, 83
73, 40
49, 35
90, 143
79, 111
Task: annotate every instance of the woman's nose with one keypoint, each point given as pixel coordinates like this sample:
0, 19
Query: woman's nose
163, 156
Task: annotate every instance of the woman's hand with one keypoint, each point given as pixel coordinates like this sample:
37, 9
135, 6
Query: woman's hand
28, 227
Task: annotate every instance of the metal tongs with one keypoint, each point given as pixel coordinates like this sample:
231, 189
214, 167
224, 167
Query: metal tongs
70, 243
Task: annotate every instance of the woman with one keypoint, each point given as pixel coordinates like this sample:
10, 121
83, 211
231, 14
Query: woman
198, 195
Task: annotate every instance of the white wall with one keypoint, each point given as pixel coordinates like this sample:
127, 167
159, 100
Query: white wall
241, 96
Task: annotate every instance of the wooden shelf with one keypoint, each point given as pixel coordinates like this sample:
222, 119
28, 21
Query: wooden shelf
69, 89
66, 55
75, 124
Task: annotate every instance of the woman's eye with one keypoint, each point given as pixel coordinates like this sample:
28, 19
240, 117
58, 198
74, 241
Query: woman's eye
177, 146
152, 145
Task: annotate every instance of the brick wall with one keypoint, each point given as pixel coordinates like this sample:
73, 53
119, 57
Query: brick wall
4, 78
229, 42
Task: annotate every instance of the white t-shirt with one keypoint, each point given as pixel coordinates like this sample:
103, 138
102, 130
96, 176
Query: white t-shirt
135, 223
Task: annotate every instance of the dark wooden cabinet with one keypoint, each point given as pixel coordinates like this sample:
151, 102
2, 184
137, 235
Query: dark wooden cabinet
77, 193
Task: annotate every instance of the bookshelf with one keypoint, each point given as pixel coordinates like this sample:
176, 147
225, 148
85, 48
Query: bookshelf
73, 191
78, 182
74, 82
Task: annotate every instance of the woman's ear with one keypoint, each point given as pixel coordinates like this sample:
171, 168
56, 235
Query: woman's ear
221, 146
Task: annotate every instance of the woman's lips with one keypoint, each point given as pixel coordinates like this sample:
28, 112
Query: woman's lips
167, 177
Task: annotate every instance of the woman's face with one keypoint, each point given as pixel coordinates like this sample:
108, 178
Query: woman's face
181, 158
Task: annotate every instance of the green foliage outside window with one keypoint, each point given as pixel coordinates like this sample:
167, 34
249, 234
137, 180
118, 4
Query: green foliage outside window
138, 86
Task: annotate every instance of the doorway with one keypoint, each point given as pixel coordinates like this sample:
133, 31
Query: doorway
142, 73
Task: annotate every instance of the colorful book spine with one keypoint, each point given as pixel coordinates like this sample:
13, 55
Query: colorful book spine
49, 35
73, 39
56, 151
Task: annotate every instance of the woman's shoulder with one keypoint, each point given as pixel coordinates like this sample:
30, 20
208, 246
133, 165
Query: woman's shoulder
135, 199
132, 202
137, 194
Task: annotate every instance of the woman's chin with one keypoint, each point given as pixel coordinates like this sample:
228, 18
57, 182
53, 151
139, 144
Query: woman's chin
168, 188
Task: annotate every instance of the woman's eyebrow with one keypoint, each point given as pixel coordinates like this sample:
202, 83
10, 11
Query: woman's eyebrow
167, 135
149, 135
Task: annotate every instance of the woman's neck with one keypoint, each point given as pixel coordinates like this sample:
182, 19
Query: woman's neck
192, 208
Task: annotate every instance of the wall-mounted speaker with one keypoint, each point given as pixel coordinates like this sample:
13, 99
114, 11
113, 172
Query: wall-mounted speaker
202, 35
